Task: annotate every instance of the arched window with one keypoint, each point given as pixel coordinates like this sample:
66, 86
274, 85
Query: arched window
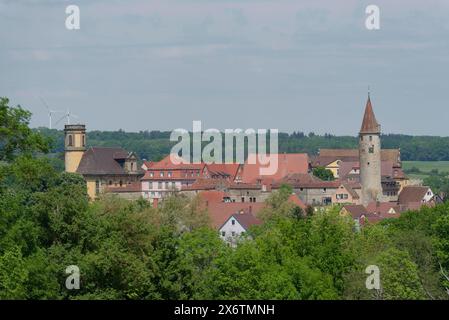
70, 140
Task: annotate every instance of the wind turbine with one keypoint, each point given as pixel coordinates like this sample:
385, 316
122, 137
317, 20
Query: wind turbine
50, 112
67, 115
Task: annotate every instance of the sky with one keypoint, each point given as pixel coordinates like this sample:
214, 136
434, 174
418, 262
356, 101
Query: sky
273, 64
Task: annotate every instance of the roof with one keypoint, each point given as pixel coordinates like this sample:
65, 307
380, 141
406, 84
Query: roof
295, 200
212, 196
369, 123
383, 208
387, 169
179, 164
351, 190
103, 161
215, 184
245, 219
355, 210
412, 194
327, 156
224, 169
220, 212
287, 163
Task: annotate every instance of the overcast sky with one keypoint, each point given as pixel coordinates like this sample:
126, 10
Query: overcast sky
291, 65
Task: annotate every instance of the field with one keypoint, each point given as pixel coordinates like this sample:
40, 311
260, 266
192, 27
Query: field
425, 167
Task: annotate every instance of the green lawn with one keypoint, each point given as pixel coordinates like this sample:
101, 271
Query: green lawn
425, 166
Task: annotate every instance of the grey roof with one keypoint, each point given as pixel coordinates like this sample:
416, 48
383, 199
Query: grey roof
102, 160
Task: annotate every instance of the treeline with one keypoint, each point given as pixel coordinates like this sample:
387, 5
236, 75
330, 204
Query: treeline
154, 145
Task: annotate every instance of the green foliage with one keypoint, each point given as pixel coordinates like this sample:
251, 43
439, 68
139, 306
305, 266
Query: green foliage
323, 173
15, 135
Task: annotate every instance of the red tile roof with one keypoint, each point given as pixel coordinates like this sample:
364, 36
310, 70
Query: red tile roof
383, 208
220, 212
295, 200
355, 210
288, 163
412, 194
369, 124
224, 169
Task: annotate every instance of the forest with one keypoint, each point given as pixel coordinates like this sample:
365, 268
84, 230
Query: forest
154, 145
130, 250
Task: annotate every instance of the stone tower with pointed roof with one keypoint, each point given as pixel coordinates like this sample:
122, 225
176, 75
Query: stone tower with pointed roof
370, 156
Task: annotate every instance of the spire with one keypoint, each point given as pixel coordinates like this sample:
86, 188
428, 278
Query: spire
369, 124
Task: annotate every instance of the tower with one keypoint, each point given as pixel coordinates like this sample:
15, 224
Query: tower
370, 156
74, 145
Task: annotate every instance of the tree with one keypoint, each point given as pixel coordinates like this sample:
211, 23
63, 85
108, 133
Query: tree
323, 173
15, 135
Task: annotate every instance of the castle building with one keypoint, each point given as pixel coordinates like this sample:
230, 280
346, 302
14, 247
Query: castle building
370, 157
105, 169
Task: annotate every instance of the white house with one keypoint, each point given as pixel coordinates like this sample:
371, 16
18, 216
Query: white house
237, 225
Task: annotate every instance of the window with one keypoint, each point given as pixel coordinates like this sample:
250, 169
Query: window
151, 174
121, 183
223, 233
361, 138
169, 174
161, 173
159, 185
70, 140
97, 187
110, 182
243, 199
233, 222
84, 140
233, 233
132, 166
371, 149
370, 138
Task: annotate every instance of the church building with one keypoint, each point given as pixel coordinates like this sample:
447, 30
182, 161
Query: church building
104, 169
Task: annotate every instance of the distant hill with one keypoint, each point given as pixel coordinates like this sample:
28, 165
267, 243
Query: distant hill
154, 145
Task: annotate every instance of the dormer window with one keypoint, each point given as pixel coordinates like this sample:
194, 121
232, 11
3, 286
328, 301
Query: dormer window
161, 173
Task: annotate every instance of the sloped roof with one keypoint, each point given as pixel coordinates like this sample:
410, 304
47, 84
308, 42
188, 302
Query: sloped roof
288, 163
102, 160
351, 191
383, 208
295, 200
355, 210
327, 156
412, 194
246, 219
168, 164
219, 212
369, 123
225, 169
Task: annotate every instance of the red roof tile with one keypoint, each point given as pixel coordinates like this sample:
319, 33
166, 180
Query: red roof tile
369, 124
288, 163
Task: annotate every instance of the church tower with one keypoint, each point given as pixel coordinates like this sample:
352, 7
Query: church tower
370, 156
74, 145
